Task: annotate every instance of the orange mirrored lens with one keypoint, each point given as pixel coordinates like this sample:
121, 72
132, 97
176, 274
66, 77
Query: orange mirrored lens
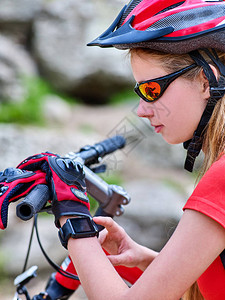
150, 90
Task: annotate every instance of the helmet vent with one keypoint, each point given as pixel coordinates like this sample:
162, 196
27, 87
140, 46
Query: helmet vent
183, 20
131, 5
170, 7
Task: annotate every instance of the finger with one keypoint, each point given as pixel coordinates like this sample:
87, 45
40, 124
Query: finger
4, 215
108, 223
120, 259
102, 236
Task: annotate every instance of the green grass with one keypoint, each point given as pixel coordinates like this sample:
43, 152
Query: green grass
123, 96
112, 177
29, 110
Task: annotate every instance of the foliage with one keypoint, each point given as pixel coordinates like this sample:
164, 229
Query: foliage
112, 177
29, 110
122, 97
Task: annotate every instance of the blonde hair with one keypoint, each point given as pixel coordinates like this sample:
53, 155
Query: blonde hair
193, 293
214, 137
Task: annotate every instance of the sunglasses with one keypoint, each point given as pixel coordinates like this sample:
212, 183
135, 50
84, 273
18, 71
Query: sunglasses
152, 90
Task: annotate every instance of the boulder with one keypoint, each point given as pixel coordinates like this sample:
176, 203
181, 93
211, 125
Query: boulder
23, 11
56, 110
18, 233
16, 18
61, 32
54, 35
15, 63
18, 142
153, 213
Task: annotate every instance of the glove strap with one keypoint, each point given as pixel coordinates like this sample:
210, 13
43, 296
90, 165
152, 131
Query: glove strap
68, 208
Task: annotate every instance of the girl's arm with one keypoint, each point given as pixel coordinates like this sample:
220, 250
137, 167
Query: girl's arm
195, 244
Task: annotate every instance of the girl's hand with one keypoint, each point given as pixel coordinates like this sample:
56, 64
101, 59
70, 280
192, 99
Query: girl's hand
122, 249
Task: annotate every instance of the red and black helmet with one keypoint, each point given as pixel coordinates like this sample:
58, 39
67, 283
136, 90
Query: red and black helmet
168, 25
177, 27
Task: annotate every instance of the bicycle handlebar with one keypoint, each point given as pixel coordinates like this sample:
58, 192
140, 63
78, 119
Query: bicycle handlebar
91, 154
33, 202
110, 197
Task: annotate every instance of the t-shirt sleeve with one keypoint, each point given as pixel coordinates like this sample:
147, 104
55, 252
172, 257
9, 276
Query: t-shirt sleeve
209, 195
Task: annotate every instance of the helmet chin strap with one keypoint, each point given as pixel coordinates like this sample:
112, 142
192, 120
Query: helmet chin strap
217, 90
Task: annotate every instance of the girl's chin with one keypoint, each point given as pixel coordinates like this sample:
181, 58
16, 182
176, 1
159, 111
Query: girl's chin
174, 141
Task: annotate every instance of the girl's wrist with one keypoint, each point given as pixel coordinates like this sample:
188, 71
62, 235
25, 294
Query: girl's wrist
148, 256
63, 220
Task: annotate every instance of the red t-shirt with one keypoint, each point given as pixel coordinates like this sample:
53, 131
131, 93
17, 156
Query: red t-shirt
209, 199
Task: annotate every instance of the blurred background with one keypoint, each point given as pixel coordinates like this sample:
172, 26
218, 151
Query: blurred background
57, 94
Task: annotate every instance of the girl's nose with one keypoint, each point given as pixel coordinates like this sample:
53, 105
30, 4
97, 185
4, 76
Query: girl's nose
145, 109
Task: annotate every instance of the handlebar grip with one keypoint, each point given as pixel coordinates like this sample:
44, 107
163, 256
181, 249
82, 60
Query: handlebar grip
91, 154
112, 144
33, 202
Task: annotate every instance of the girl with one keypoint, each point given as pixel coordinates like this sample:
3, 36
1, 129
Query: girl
165, 38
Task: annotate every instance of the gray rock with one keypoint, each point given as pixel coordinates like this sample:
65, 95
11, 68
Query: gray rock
15, 63
56, 34
18, 142
22, 11
16, 18
15, 240
61, 33
153, 213
56, 110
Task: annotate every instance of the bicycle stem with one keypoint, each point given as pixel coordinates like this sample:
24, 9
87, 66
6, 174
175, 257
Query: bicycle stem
110, 197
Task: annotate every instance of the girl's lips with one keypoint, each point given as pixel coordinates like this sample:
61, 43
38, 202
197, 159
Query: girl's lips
158, 128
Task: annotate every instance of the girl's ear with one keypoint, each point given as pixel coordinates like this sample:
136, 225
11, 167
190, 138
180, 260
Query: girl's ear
205, 82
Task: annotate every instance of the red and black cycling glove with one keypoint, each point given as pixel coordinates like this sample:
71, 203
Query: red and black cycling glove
66, 180
15, 184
